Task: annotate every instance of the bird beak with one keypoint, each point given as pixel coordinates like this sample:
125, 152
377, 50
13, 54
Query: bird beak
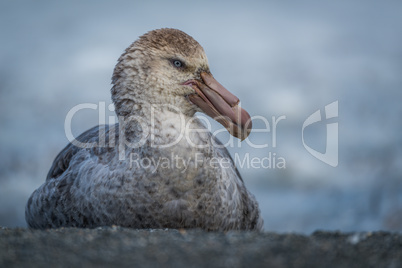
217, 102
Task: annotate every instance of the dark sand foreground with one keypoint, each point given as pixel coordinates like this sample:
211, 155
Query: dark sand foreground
114, 246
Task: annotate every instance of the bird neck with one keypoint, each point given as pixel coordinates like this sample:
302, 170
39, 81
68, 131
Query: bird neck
158, 123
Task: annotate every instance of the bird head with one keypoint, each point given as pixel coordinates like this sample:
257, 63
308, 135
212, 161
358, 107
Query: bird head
167, 66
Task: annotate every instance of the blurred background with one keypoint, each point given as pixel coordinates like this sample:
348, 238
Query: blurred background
281, 58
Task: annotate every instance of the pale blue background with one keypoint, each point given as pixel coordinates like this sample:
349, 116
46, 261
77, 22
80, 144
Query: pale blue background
280, 57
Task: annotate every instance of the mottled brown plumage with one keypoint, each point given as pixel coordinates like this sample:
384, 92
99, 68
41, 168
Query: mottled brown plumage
154, 168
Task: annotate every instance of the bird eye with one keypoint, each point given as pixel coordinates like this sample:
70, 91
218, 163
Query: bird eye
177, 63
